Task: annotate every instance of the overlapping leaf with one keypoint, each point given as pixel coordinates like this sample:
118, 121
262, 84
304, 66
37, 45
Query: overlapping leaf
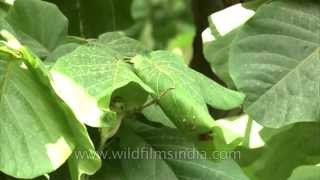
275, 62
162, 154
183, 93
220, 34
217, 54
90, 76
155, 113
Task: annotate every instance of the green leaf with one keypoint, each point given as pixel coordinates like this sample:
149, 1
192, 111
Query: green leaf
181, 98
217, 54
216, 95
285, 151
34, 134
254, 4
119, 42
183, 93
305, 173
67, 120
279, 77
61, 51
155, 113
152, 153
32, 23
218, 37
3, 10
94, 80
152, 169
186, 167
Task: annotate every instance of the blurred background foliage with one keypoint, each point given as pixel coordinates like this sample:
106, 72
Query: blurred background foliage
158, 24
174, 25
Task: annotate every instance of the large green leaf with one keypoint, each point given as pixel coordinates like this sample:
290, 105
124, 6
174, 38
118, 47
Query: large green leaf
218, 37
285, 150
159, 154
275, 62
34, 133
153, 168
32, 23
60, 114
186, 167
183, 93
94, 80
306, 173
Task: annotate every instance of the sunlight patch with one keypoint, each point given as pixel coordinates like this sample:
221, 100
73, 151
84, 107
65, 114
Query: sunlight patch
58, 152
207, 36
84, 106
230, 18
237, 127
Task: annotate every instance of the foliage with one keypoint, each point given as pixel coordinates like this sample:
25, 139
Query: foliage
77, 93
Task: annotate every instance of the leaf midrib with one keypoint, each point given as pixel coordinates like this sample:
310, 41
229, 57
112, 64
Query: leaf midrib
284, 77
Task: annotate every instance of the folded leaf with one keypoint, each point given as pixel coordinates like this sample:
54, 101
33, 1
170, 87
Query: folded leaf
155, 113
179, 94
182, 92
216, 95
94, 80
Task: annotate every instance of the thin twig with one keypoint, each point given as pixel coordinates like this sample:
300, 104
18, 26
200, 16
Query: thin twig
155, 100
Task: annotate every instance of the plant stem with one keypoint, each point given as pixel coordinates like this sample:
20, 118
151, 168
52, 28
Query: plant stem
246, 141
155, 100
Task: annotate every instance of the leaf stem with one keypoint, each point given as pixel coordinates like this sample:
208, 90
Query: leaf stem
246, 141
155, 100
